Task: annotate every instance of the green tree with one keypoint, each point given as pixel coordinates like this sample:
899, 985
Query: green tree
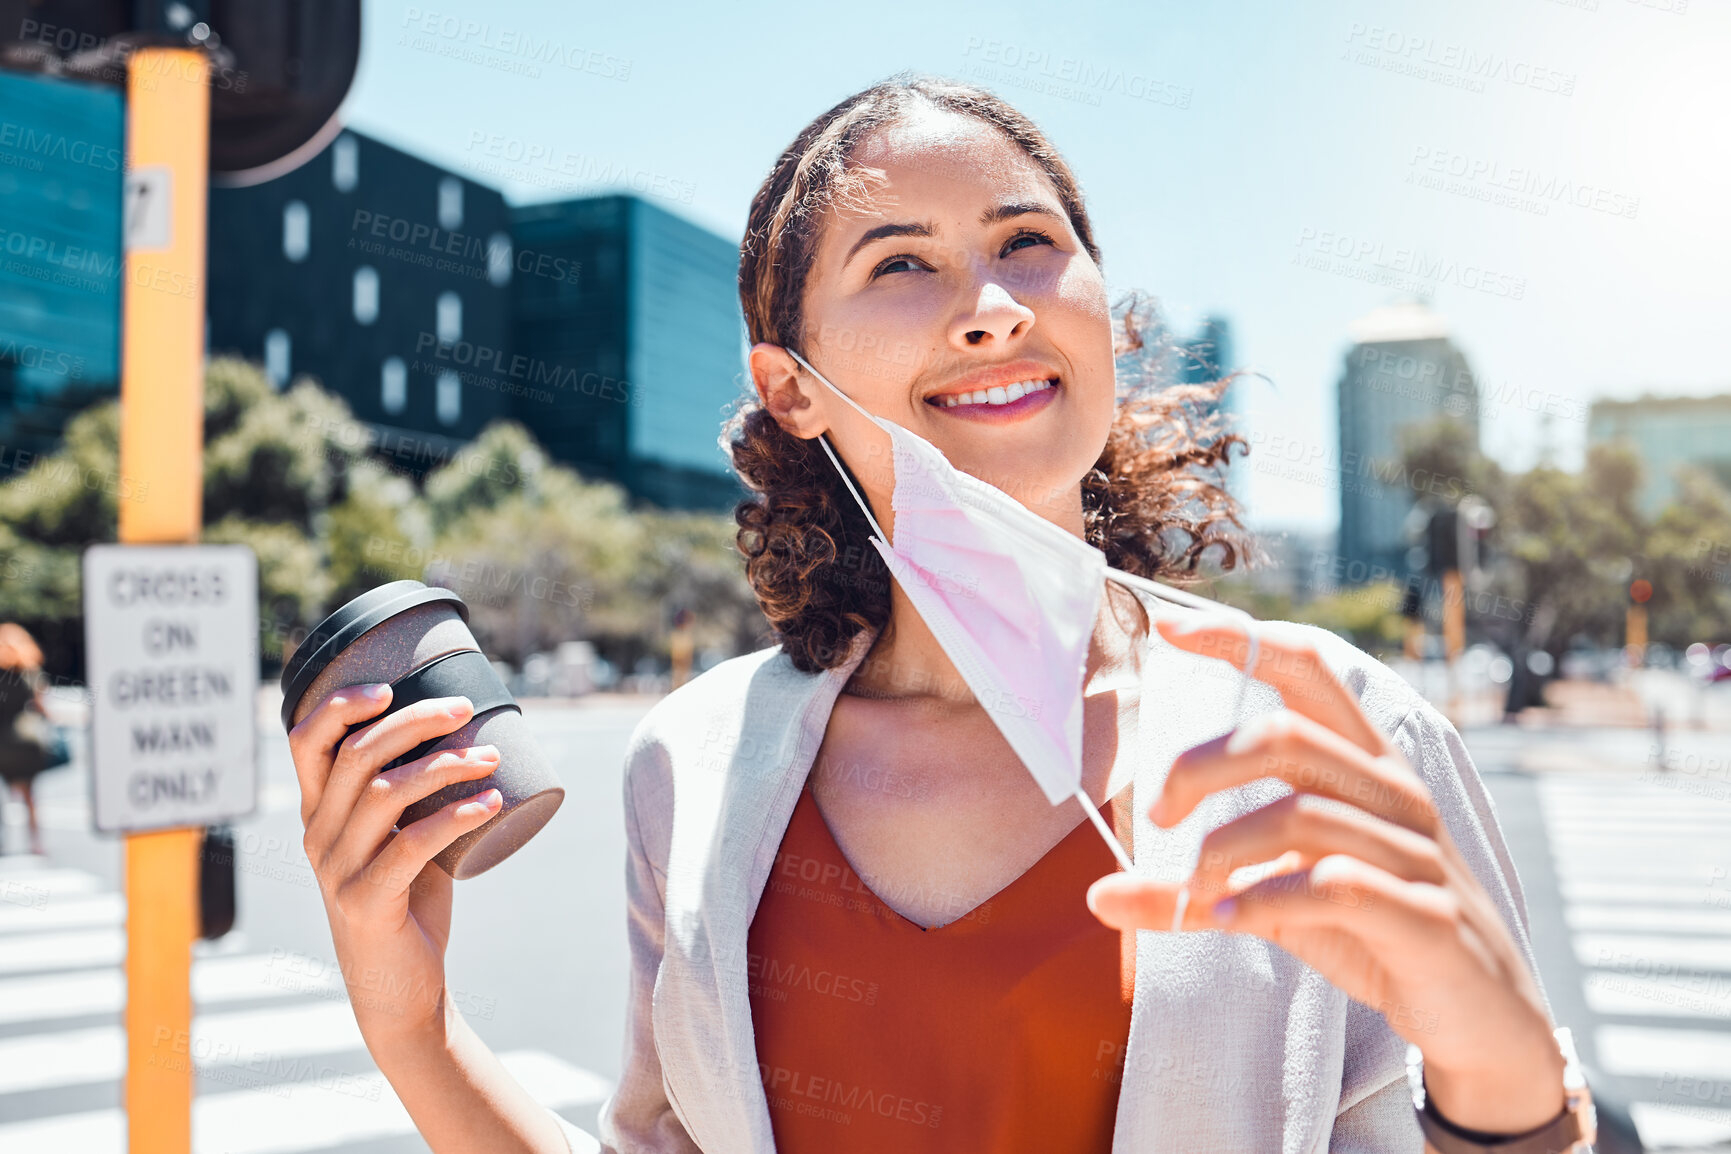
1688, 560
1572, 539
1439, 462
540, 554
378, 532
273, 462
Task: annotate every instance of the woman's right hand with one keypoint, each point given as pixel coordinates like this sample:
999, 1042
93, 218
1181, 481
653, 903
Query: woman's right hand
389, 906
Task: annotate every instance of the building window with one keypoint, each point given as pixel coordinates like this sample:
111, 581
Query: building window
297, 230
450, 203
276, 357
394, 385
448, 400
345, 163
499, 259
449, 319
366, 294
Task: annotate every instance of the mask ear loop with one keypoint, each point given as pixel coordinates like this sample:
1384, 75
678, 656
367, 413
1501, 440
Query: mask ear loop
823, 440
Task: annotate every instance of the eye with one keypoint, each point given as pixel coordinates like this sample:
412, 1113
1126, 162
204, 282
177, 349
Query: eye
888, 263
1032, 234
903, 262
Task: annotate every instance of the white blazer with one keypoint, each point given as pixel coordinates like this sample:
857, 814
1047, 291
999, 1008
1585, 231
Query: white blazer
1235, 1046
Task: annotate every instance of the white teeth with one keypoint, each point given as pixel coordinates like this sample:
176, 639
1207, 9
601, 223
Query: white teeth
996, 395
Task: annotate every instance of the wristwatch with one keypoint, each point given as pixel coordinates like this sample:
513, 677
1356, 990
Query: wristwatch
1574, 1130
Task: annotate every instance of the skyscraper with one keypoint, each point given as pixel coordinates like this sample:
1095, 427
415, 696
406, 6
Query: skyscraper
1402, 370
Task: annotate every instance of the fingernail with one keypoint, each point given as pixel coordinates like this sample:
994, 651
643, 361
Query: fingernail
1224, 911
481, 802
376, 690
1100, 896
458, 708
484, 752
1161, 811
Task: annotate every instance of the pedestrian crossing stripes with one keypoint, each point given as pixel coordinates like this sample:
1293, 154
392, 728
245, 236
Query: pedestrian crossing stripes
281, 1063
1642, 869
314, 1118
41, 997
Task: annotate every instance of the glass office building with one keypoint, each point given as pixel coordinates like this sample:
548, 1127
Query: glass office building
1667, 433
62, 165
636, 316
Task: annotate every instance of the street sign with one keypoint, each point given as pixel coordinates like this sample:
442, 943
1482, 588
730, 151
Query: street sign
171, 649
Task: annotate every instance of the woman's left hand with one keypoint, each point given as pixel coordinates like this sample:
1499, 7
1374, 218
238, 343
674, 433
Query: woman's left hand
1360, 881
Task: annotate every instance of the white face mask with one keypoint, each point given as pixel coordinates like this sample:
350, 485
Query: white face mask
1011, 598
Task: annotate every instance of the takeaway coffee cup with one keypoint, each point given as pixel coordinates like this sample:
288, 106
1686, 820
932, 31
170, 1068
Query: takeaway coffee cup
417, 637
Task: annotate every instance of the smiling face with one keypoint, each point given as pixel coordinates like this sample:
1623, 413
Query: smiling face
950, 294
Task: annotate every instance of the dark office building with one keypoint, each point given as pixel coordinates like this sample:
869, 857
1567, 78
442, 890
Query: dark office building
384, 277
634, 314
607, 326
62, 160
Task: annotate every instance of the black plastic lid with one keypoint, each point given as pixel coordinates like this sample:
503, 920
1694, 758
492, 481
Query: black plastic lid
339, 630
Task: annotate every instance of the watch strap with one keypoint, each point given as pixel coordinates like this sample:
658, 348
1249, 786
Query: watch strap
1558, 1136
1575, 1129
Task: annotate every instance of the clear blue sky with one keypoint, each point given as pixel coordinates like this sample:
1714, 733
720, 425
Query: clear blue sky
1216, 143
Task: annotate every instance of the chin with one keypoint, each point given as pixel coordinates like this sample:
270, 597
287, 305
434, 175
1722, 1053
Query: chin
1037, 488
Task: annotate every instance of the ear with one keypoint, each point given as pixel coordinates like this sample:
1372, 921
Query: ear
785, 392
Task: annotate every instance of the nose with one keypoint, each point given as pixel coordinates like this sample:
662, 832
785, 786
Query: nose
996, 318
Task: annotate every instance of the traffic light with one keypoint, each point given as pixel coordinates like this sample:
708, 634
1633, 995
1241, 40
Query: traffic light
279, 69
1635, 621
1442, 542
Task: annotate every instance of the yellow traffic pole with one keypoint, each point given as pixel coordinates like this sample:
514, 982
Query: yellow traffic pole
680, 646
1635, 634
1454, 614
161, 455
1454, 638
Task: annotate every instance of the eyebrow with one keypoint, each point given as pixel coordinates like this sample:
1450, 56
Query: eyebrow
991, 216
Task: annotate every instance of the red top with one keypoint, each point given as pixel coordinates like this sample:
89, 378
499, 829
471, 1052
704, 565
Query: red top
1003, 1030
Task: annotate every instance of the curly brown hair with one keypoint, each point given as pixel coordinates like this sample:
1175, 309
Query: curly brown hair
1151, 502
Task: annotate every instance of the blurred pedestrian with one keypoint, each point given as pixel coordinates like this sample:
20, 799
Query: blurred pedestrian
23, 754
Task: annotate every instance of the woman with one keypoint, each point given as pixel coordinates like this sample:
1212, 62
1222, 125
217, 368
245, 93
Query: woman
855, 921
21, 757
